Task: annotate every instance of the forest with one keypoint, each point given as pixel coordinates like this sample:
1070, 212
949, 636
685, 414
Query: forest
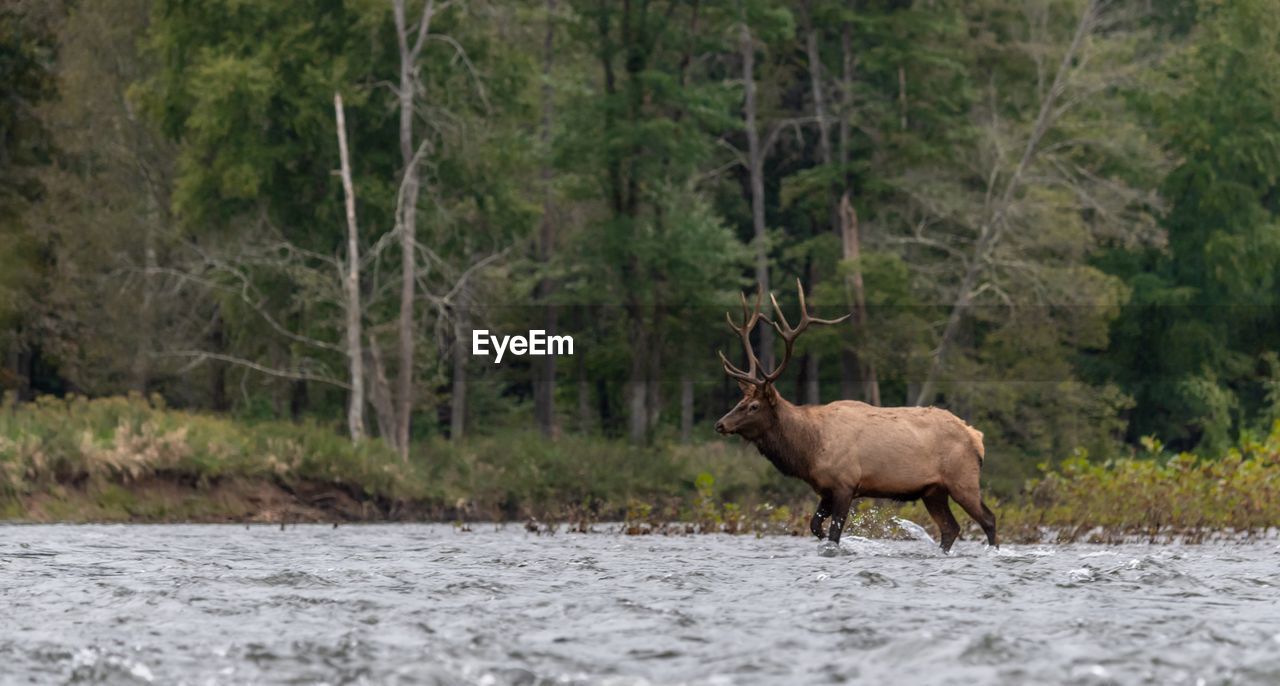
1059, 219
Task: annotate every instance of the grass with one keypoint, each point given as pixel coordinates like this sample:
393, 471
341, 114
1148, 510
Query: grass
77, 452
133, 459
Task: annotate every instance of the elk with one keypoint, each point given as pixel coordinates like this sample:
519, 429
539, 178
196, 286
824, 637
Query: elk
849, 449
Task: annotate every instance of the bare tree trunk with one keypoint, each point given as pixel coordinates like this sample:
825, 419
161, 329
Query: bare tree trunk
820, 109
850, 381
686, 408
637, 417
147, 309
637, 385
846, 92
755, 163
544, 384
380, 394
585, 415
407, 213
853, 253
902, 96
993, 227
218, 370
654, 375
653, 403
856, 371
351, 286
812, 382
458, 398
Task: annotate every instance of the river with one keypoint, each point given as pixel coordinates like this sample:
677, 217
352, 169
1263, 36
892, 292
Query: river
224, 604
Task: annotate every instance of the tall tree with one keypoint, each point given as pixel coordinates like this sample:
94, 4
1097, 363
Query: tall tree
544, 391
351, 283
26, 62
642, 140
1193, 342
410, 39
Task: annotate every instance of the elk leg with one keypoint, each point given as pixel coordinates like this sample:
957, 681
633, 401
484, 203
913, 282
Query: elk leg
824, 511
978, 510
840, 503
935, 501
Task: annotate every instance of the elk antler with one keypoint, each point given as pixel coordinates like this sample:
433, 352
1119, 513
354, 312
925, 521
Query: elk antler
789, 334
749, 319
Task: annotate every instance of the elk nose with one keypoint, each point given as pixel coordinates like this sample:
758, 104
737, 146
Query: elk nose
720, 427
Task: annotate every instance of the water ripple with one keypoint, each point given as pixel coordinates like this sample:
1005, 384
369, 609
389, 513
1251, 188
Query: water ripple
429, 604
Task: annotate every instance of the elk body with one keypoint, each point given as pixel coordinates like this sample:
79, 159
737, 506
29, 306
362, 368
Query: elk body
848, 449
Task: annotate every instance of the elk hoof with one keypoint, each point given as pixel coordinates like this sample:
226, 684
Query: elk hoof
815, 525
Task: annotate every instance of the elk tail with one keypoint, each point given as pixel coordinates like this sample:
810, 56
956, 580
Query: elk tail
975, 437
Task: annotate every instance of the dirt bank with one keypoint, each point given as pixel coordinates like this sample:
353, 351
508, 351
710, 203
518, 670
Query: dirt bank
164, 500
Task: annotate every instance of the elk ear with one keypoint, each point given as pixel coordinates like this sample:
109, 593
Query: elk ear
747, 389
771, 394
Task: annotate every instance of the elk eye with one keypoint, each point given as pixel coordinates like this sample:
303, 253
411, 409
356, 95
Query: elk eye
753, 407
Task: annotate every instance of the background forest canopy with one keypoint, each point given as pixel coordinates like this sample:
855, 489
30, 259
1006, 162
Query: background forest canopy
1057, 218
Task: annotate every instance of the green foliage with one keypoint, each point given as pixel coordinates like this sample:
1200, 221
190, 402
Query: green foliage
1168, 494
1203, 315
26, 81
167, 190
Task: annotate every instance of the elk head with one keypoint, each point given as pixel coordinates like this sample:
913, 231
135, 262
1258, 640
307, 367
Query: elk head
757, 412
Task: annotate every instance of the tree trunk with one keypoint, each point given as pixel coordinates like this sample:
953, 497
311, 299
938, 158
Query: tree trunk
351, 286
147, 308
458, 399
850, 379
846, 95
812, 382
585, 414
380, 394
654, 374
637, 416
218, 370
637, 386
858, 374
755, 163
902, 96
299, 399
544, 369
852, 252
407, 214
686, 408
818, 93
19, 366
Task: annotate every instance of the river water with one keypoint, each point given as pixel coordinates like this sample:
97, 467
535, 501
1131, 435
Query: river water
429, 604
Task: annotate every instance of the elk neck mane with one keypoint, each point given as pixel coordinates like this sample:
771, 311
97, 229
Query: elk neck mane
791, 442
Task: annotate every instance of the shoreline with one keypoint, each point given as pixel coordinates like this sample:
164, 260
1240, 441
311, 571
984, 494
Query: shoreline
157, 500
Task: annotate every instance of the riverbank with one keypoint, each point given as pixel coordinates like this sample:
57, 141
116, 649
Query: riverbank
133, 460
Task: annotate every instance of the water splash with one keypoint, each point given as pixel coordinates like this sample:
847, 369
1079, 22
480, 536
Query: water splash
914, 530
90, 664
1012, 553
1082, 575
829, 549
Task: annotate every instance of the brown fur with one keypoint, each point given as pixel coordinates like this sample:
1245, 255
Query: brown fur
849, 449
